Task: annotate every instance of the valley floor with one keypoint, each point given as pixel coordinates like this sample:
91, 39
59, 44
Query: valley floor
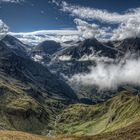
131, 132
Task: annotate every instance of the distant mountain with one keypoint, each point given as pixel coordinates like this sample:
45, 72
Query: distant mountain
75, 59
44, 51
48, 47
79, 57
127, 45
88, 47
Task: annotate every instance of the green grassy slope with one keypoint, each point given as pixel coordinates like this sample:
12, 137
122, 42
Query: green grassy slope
131, 132
116, 113
18, 110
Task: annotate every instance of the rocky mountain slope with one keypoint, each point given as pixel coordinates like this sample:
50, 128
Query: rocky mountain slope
68, 61
78, 59
29, 93
126, 45
72, 59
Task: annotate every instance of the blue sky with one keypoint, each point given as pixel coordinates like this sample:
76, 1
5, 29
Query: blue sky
34, 15
33, 21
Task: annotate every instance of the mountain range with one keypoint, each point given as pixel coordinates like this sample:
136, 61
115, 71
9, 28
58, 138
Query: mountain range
37, 95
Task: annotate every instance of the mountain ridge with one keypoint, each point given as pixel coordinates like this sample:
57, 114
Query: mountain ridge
30, 94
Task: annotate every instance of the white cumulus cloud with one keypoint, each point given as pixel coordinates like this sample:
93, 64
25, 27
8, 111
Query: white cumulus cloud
128, 22
99, 14
87, 30
130, 29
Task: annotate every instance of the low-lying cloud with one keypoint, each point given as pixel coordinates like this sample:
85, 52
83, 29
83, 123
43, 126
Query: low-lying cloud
36, 37
111, 76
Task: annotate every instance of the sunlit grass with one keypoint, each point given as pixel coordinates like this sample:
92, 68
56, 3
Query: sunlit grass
116, 113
